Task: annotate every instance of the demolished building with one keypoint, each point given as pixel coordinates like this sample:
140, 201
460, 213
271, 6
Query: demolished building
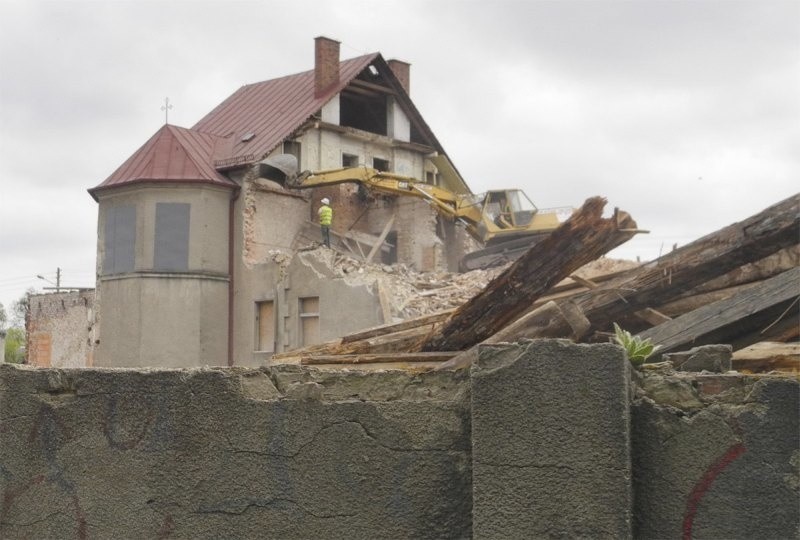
189, 224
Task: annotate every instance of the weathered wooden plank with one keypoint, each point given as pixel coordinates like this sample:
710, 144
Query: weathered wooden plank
424, 320
403, 341
386, 229
583, 238
768, 356
376, 358
685, 330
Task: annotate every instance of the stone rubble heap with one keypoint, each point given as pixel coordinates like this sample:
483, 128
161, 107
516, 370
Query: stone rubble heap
414, 293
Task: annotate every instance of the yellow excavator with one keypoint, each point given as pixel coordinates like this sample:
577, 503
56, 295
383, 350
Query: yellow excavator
505, 221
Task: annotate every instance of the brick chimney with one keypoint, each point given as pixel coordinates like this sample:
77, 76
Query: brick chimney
326, 64
402, 70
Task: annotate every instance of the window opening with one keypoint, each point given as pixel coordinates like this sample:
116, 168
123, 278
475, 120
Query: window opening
366, 111
349, 160
293, 148
309, 320
389, 256
380, 164
265, 326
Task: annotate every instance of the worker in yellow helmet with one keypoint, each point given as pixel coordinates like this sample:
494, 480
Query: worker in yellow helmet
325, 218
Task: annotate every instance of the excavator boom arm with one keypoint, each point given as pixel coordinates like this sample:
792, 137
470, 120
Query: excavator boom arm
445, 201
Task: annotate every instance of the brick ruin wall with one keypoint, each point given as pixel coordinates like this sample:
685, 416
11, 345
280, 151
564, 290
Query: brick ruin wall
540, 438
61, 329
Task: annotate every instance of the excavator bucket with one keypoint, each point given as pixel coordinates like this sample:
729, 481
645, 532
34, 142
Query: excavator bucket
281, 167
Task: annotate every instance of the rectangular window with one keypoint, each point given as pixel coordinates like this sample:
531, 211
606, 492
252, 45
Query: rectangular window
171, 253
265, 326
433, 178
120, 240
309, 321
380, 164
349, 160
293, 148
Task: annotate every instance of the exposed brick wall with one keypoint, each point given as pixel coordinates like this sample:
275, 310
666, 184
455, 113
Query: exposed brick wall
272, 219
326, 64
60, 329
402, 70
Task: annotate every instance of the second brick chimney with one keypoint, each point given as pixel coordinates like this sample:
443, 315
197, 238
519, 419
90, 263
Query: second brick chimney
402, 70
326, 64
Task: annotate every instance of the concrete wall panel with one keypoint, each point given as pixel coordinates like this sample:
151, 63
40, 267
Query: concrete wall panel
291, 452
550, 441
717, 456
229, 454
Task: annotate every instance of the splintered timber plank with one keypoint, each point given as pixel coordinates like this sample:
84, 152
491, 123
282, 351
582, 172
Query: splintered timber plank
689, 328
583, 238
768, 356
423, 320
376, 358
403, 341
663, 280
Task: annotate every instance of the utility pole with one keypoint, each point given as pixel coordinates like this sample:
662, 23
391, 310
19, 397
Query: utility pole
58, 280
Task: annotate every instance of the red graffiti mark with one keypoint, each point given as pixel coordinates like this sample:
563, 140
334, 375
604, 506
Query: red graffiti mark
166, 528
10, 494
704, 484
80, 517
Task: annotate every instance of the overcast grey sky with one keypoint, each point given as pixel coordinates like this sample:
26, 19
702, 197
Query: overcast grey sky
684, 113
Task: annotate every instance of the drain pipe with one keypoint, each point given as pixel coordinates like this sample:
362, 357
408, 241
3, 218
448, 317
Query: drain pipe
231, 237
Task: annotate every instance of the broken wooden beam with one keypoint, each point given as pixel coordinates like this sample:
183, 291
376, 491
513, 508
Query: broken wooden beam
767, 356
407, 340
663, 280
423, 320
584, 237
376, 358
704, 325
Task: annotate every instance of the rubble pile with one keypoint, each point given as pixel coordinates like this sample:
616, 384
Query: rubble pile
414, 293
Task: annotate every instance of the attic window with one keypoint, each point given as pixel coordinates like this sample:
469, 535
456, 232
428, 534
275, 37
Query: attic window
373, 70
248, 136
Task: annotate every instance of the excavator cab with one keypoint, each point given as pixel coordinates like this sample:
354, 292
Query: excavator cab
508, 209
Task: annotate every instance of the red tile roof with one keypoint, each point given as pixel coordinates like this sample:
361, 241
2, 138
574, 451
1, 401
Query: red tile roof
272, 110
173, 154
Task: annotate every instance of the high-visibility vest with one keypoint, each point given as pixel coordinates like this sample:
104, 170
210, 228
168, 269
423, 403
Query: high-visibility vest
325, 215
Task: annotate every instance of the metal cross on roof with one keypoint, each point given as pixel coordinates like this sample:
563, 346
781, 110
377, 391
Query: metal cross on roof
166, 107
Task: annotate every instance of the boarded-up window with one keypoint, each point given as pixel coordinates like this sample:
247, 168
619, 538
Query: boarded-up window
171, 252
120, 240
265, 326
309, 320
